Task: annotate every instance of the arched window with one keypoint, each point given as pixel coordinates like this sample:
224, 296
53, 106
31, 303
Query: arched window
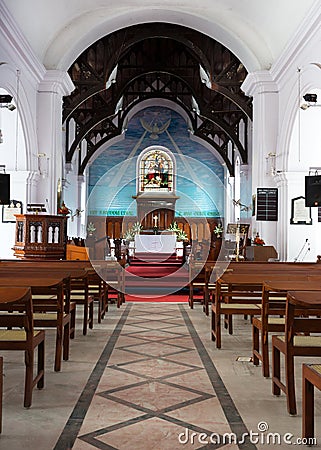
156, 171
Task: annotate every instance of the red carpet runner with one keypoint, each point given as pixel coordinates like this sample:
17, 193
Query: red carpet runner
175, 298
156, 277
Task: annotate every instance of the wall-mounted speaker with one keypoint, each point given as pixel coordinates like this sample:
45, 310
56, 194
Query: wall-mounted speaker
313, 190
4, 189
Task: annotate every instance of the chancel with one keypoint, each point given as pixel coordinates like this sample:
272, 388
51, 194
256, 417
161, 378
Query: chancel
160, 224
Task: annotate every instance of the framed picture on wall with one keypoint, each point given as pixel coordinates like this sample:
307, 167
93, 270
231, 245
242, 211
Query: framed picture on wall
300, 214
9, 211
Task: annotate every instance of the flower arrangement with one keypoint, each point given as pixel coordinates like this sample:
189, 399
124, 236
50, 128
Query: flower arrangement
180, 234
91, 228
131, 232
218, 230
258, 240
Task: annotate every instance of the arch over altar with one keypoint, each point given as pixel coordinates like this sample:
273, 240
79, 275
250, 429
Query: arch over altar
188, 190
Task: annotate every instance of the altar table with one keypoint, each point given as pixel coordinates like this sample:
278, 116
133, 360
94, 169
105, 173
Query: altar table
156, 243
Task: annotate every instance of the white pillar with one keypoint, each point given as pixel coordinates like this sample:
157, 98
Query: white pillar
229, 207
264, 91
282, 244
51, 89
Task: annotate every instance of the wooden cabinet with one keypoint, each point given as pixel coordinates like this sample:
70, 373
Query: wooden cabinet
74, 252
40, 236
260, 253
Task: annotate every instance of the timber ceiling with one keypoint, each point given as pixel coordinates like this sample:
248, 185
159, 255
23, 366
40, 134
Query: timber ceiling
158, 61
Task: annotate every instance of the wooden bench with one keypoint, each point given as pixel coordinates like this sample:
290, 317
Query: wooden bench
16, 317
113, 273
239, 294
70, 266
196, 274
97, 288
297, 340
252, 266
78, 287
199, 275
1, 391
79, 293
273, 314
234, 295
51, 306
204, 275
311, 378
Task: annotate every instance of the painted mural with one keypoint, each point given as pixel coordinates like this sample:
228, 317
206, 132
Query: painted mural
199, 176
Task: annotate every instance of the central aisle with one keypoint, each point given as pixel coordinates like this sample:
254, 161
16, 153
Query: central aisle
153, 382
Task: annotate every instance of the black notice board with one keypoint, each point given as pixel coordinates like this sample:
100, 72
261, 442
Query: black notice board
267, 204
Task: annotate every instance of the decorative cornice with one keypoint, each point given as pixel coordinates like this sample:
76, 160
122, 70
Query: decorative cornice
57, 82
284, 178
259, 82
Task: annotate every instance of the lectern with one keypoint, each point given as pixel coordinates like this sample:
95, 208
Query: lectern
40, 236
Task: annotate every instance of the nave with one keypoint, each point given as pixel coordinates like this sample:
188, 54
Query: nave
140, 379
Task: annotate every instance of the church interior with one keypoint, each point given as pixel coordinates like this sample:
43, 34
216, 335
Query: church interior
160, 203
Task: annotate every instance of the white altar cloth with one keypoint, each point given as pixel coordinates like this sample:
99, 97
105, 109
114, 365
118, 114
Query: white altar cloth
155, 243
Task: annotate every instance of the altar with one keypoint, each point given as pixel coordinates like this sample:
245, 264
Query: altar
156, 243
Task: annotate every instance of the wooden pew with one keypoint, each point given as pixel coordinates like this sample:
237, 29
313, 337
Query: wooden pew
78, 289
234, 295
114, 275
97, 288
214, 270
70, 266
273, 304
297, 340
50, 306
16, 316
1, 391
311, 377
241, 294
261, 266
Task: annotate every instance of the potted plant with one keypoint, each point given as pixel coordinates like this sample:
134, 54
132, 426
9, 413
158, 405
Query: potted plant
180, 234
132, 231
91, 229
218, 231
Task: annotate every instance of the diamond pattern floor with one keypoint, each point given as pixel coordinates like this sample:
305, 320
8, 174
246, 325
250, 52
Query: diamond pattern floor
147, 378
162, 389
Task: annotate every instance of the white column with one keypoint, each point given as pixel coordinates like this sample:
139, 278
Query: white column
229, 195
51, 89
264, 91
284, 214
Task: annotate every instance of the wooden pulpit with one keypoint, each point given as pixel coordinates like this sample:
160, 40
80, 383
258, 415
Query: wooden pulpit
40, 236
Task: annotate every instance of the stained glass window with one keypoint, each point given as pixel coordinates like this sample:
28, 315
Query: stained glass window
156, 172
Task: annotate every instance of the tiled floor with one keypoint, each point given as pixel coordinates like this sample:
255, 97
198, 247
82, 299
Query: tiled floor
149, 377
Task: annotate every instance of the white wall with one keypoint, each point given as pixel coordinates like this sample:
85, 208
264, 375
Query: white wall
18, 181
295, 74
305, 152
